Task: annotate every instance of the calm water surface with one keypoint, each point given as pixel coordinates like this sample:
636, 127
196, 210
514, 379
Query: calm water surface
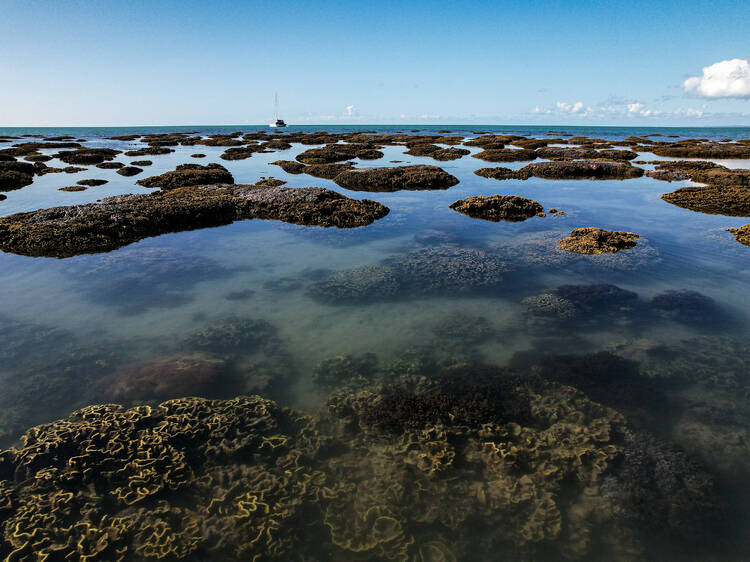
262, 304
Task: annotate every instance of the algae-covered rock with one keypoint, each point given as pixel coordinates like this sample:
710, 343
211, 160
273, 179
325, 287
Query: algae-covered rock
189, 174
495, 208
501, 173
582, 169
121, 220
592, 240
85, 156
338, 153
506, 155
15, 175
290, 166
415, 177
92, 182
436, 152
129, 171
741, 234
73, 188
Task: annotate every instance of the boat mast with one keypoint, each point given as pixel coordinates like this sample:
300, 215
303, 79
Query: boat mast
276, 106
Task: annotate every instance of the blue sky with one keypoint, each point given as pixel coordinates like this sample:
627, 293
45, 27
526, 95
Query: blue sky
553, 62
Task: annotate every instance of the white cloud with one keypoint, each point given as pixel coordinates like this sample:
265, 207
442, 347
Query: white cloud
622, 109
724, 79
351, 111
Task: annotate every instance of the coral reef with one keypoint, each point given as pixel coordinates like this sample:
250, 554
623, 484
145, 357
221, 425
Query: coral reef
415, 177
499, 208
73, 188
129, 171
15, 175
338, 153
501, 173
141, 163
582, 169
506, 155
121, 220
435, 152
189, 174
92, 182
86, 156
338, 370
356, 285
592, 240
741, 234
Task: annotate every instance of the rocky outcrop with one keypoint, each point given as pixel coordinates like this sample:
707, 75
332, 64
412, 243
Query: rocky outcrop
592, 240
121, 220
187, 175
418, 177
496, 208
582, 169
15, 175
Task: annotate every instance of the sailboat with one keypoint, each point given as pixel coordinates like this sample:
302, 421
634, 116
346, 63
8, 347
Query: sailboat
276, 121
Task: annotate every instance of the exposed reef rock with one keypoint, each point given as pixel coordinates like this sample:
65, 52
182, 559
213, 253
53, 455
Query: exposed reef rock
741, 234
501, 173
496, 208
189, 174
416, 177
701, 150
149, 151
73, 188
110, 165
582, 169
727, 191
567, 153
592, 240
327, 171
118, 221
338, 153
129, 171
506, 155
92, 182
86, 156
141, 163
290, 166
15, 175
436, 152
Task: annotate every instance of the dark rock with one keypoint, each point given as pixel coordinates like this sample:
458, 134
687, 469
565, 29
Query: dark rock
87, 156
118, 221
110, 165
582, 169
592, 240
685, 305
290, 166
501, 173
141, 163
338, 153
496, 208
198, 155
73, 188
396, 178
149, 151
129, 171
506, 155
597, 297
15, 175
187, 175
92, 182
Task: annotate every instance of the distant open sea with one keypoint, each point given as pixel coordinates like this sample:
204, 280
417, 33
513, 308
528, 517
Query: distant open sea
713, 133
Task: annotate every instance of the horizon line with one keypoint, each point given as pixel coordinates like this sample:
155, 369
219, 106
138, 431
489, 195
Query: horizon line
361, 125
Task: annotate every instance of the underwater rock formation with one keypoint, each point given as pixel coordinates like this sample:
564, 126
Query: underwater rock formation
187, 175
415, 177
193, 374
356, 285
121, 220
592, 240
598, 297
684, 305
342, 369
497, 208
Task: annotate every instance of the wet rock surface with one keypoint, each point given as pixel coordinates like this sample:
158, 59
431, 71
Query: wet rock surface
121, 220
496, 208
417, 177
592, 240
582, 169
187, 175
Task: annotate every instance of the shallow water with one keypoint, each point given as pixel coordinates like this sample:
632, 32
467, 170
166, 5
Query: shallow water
74, 328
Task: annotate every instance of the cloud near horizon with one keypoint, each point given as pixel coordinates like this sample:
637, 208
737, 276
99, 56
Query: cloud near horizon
724, 79
621, 109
